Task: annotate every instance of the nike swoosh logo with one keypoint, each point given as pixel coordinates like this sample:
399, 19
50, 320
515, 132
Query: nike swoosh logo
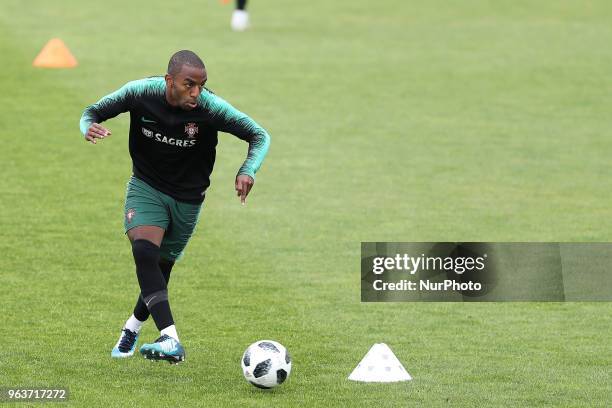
150, 300
145, 120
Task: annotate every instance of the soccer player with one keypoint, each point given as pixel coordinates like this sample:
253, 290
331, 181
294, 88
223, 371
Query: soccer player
240, 17
174, 122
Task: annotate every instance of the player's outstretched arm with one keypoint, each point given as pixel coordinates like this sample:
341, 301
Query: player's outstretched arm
107, 107
110, 106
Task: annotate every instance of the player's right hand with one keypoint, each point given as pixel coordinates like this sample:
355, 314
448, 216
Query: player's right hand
96, 131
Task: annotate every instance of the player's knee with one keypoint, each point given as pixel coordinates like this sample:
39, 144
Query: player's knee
145, 252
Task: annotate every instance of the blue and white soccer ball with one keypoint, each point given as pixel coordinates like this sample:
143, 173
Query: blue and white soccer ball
266, 364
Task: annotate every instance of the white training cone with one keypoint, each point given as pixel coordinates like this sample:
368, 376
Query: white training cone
380, 365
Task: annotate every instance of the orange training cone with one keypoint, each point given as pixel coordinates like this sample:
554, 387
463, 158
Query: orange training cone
55, 54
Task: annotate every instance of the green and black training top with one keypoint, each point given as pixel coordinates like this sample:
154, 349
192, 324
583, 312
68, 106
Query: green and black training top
172, 149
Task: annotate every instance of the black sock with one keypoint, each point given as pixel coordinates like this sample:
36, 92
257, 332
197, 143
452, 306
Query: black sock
140, 310
241, 4
153, 287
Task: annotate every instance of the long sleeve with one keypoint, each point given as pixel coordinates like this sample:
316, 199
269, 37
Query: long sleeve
118, 102
231, 120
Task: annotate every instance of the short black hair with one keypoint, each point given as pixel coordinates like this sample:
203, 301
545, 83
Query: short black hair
184, 57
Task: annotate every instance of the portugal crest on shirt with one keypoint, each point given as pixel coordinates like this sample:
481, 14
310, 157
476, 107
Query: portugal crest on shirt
191, 129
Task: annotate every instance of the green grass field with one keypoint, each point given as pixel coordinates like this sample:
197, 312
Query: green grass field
390, 120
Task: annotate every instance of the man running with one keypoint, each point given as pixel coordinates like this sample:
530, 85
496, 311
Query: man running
174, 122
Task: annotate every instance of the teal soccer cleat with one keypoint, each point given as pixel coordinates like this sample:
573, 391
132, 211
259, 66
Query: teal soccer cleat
164, 348
125, 345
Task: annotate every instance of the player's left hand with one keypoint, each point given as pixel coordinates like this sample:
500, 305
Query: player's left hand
244, 184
